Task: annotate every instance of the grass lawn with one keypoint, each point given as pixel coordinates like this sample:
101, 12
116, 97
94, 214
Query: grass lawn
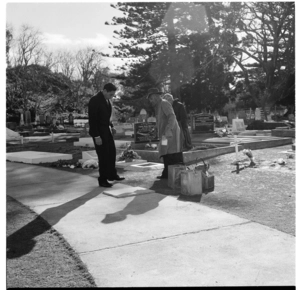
51, 262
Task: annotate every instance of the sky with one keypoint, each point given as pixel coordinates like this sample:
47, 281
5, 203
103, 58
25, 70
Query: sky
67, 25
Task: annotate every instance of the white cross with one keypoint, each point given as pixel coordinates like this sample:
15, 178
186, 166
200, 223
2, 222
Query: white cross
236, 147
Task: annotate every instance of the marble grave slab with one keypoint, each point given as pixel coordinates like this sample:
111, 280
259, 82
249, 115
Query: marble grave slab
121, 190
36, 157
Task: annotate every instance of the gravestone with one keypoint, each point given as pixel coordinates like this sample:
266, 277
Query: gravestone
21, 120
143, 132
27, 117
261, 115
123, 128
143, 114
151, 119
42, 119
203, 123
257, 114
238, 125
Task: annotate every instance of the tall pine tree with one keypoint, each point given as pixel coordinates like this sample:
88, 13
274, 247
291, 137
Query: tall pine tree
151, 41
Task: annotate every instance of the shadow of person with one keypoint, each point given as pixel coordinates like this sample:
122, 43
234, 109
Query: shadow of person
139, 205
22, 241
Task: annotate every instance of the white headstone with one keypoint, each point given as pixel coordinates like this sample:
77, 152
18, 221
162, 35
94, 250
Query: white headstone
238, 125
151, 119
143, 112
257, 114
21, 119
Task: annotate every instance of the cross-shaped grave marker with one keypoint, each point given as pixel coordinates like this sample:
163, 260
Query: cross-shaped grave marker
236, 162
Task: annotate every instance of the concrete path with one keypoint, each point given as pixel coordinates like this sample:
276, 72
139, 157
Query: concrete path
153, 239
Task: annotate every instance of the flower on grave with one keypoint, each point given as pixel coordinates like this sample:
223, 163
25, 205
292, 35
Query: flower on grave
249, 154
222, 132
151, 146
280, 161
90, 163
128, 154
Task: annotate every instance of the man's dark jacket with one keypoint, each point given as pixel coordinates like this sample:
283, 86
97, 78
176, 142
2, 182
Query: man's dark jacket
99, 121
99, 111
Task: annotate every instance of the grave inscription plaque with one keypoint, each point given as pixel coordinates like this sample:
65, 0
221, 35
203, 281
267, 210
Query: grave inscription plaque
143, 132
202, 123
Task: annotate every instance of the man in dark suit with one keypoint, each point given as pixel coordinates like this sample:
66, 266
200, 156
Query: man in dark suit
99, 111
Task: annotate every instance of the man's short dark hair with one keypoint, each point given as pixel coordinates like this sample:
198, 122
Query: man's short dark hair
109, 87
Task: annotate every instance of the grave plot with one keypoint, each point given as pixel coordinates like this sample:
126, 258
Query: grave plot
35, 157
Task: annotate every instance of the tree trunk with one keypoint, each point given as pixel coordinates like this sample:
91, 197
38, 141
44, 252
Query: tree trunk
175, 81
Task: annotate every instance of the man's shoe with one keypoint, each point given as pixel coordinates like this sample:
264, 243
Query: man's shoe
162, 177
117, 178
105, 184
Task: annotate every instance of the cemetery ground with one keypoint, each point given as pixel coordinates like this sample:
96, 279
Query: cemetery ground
264, 194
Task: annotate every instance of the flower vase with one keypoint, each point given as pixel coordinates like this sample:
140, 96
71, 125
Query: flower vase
128, 160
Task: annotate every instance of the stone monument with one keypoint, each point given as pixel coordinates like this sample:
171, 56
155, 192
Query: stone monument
143, 114
257, 114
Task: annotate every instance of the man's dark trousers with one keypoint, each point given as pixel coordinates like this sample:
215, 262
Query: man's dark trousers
106, 158
171, 159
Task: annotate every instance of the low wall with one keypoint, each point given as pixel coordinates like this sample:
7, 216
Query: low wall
264, 125
189, 157
267, 143
192, 157
284, 133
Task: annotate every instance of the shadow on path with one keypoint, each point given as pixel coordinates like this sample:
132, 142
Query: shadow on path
139, 205
22, 241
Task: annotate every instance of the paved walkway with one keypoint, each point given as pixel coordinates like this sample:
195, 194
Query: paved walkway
153, 239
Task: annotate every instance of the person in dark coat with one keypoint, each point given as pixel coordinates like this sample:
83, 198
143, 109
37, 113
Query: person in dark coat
99, 112
182, 119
